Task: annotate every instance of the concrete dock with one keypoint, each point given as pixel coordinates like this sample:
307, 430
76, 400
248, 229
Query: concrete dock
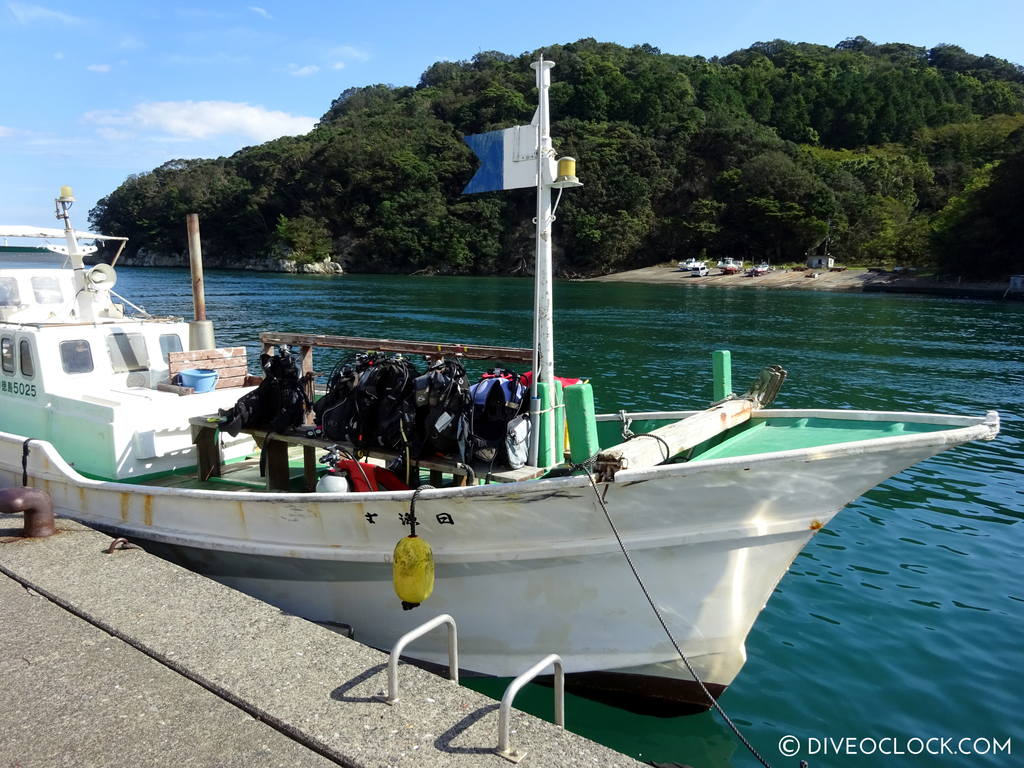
124, 659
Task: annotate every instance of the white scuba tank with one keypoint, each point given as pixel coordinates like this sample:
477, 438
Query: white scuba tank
334, 481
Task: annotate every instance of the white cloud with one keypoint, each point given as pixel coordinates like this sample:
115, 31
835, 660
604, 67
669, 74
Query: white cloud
306, 71
130, 43
5, 131
260, 11
99, 68
349, 52
195, 120
340, 54
58, 55
27, 14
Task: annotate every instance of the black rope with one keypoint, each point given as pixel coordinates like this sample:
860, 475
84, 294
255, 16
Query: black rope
24, 461
412, 508
629, 434
668, 449
657, 613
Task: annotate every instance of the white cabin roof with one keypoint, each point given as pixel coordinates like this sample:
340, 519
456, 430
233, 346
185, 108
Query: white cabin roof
46, 233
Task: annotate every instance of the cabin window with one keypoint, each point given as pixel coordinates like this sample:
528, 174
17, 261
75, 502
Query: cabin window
169, 342
76, 356
47, 290
9, 292
127, 352
7, 354
28, 368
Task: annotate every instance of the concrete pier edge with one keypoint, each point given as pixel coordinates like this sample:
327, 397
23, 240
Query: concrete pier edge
314, 686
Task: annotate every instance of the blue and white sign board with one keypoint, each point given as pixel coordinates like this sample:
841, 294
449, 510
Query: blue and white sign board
508, 159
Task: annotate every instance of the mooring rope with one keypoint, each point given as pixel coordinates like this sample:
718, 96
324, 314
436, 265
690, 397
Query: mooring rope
413, 522
24, 461
665, 445
586, 466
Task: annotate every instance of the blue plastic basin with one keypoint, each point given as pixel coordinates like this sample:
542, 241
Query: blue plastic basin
200, 379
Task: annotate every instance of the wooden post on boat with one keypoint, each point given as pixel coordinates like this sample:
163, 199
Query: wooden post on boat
668, 441
671, 440
200, 331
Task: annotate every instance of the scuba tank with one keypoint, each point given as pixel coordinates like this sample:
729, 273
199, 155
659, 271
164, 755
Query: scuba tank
333, 481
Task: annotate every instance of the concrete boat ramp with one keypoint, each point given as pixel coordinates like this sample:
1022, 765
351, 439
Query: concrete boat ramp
124, 659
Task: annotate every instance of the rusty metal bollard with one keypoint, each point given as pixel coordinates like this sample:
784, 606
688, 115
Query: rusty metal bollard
35, 504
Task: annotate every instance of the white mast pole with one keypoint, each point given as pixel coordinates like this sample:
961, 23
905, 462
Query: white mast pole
543, 337
82, 295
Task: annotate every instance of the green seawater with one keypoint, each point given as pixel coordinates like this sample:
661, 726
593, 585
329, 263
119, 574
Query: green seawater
903, 619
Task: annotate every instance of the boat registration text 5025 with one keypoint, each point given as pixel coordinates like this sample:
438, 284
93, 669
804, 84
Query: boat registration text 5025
18, 388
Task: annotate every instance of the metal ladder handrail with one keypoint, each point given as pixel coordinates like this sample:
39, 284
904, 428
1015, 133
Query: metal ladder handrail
504, 748
408, 637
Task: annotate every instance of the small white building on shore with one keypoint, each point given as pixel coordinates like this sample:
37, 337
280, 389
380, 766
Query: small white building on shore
815, 261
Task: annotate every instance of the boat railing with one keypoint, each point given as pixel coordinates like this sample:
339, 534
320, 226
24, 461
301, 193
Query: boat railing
504, 747
413, 634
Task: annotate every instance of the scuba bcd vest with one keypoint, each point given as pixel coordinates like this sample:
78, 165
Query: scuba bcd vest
278, 404
384, 410
336, 410
499, 433
443, 410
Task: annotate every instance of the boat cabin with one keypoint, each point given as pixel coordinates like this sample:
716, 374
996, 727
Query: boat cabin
76, 370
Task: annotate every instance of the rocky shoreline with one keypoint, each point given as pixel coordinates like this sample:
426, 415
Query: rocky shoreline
851, 280
144, 258
847, 280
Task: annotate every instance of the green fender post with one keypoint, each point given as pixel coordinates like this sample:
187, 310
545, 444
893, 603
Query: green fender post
721, 367
579, 412
544, 450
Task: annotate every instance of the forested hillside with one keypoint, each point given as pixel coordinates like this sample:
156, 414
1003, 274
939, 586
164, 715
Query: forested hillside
899, 154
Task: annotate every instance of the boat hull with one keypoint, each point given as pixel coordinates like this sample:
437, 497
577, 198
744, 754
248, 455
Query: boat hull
526, 569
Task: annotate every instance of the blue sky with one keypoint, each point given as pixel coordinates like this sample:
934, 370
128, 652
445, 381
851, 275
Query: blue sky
93, 92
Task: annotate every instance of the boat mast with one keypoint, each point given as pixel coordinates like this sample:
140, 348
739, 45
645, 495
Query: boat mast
82, 294
543, 330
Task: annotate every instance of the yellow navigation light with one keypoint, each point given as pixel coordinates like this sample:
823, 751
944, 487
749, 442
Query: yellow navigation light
566, 174
66, 195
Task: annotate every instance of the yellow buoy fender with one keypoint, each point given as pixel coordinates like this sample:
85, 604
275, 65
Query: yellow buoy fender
413, 571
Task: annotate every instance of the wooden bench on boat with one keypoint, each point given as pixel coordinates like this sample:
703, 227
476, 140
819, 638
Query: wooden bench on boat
275, 446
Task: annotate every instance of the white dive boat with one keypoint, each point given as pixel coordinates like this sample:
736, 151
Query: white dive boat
759, 269
689, 265
526, 568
